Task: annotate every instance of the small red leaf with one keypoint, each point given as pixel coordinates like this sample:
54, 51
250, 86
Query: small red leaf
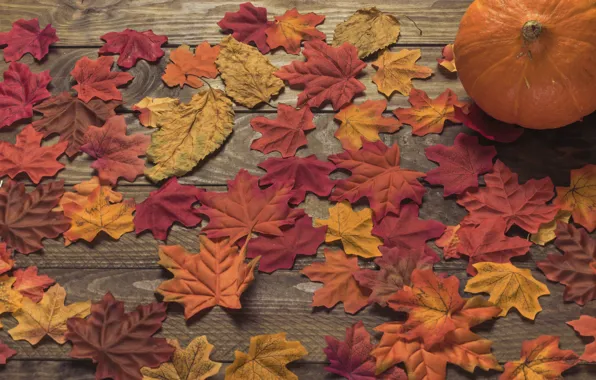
476, 119
95, 79
30, 284
27, 37
249, 25
5, 353
6, 259
132, 46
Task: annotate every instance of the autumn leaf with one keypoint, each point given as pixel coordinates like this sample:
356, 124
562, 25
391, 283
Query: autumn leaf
447, 60
285, 133
369, 30
459, 164
20, 91
477, 120
190, 363
70, 117
217, 275
395, 71
96, 80
504, 198
248, 24
290, 29
132, 46
6, 259
30, 284
266, 359
328, 75
27, 156
152, 110
586, 326
120, 343
363, 121
353, 229
27, 37
84, 189
247, 74
186, 67
170, 203
580, 197
11, 299
6, 353
449, 242
541, 358
27, 218
546, 232
376, 175
187, 132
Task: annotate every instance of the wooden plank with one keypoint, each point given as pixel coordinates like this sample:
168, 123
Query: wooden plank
82, 23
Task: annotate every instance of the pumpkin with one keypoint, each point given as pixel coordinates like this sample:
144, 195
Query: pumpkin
530, 62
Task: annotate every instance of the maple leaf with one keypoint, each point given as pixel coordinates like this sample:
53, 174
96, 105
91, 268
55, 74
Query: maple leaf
376, 175
27, 218
305, 174
504, 198
477, 120
580, 197
84, 189
447, 60
353, 229
115, 153
329, 74
30, 285
586, 326
396, 268
132, 46
285, 133
288, 30
6, 353
546, 232
279, 252
170, 203
574, 268
395, 71
27, 37
70, 117
36, 320
20, 91
6, 260
151, 110
247, 74
11, 299
337, 275
96, 80
27, 156
186, 67
190, 363
449, 242
363, 121
215, 276
245, 209
369, 30
541, 358
249, 25
120, 343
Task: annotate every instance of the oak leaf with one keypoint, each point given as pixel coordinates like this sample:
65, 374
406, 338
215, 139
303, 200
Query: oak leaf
27, 37
11, 299
586, 326
30, 284
290, 29
6, 259
120, 343
248, 25
363, 121
151, 110
6, 353
96, 80
580, 197
328, 75
447, 60
132, 46
247, 74
477, 120
395, 71
449, 242
546, 232
187, 68
376, 175
266, 359
27, 156
84, 189
369, 30
337, 275
217, 275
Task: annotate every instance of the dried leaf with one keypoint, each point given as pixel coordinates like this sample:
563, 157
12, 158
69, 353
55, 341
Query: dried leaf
290, 29
477, 120
187, 68
248, 24
447, 60
132, 46
546, 232
153, 109
96, 80
27, 37
30, 285
6, 259
586, 326
580, 197
395, 71
11, 300
449, 242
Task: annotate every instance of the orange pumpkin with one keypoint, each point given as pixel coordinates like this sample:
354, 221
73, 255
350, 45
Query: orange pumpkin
530, 62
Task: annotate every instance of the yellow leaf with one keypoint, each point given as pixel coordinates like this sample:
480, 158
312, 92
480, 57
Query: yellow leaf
188, 133
546, 232
48, 317
369, 30
190, 363
266, 359
396, 70
84, 189
353, 229
508, 287
10, 300
247, 73
580, 197
152, 109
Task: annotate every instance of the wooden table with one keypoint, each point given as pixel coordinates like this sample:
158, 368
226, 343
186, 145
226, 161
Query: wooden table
280, 301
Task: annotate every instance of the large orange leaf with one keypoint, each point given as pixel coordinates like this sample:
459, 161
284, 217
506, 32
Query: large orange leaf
288, 30
395, 71
84, 189
580, 197
186, 67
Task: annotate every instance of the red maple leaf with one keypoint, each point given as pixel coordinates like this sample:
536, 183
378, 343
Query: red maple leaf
5, 353
376, 175
27, 37
304, 174
249, 25
477, 120
20, 91
6, 259
504, 198
460, 164
574, 268
279, 252
27, 156
586, 326
132, 46
30, 284
95, 79
329, 74
115, 153
285, 133
170, 203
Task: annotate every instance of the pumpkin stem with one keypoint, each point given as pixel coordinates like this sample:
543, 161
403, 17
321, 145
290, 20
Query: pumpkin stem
531, 30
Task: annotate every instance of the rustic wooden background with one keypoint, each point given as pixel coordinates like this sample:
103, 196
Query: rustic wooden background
280, 301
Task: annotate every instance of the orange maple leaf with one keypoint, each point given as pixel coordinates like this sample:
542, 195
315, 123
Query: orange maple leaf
580, 197
288, 30
395, 71
186, 68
